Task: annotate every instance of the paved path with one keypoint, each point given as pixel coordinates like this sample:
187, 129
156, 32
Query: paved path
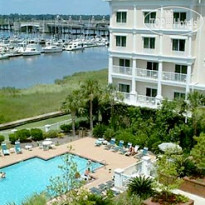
197, 199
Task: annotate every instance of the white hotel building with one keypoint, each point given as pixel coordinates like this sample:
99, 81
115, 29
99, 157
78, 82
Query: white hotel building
157, 49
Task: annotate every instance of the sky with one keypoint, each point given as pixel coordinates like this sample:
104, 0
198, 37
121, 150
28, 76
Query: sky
90, 7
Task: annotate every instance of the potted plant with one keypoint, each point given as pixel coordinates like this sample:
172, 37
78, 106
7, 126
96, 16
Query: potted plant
168, 171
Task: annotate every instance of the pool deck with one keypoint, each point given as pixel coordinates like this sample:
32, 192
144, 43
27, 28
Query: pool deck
84, 147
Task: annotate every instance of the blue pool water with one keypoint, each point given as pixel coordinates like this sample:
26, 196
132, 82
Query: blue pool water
32, 176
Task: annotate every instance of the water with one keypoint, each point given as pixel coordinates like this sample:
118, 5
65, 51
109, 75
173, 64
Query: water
32, 176
23, 72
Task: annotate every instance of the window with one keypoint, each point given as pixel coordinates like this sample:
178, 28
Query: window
152, 66
178, 45
121, 41
149, 43
181, 69
179, 17
151, 92
121, 17
124, 62
124, 88
149, 17
179, 95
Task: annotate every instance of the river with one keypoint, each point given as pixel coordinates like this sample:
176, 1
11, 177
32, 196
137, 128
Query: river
24, 72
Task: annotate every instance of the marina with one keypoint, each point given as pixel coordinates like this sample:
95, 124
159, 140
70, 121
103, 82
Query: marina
23, 68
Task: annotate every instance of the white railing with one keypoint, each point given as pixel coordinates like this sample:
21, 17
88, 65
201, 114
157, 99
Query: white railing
171, 76
126, 95
146, 99
54, 126
146, 73
183, 26
122, 70
179, 53
149, 51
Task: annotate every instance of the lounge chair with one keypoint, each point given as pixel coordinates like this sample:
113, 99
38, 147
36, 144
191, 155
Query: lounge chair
18, 147
98, 142
102, 187
94, 190
110, 145
145, 151
119, 147
5, 151
126, 150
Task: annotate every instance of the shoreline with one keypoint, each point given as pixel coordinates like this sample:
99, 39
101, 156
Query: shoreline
17, 104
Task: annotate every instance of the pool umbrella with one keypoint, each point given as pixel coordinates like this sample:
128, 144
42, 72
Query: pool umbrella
169, 146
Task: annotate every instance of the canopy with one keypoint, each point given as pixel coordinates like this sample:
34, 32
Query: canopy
47, 143
169, 146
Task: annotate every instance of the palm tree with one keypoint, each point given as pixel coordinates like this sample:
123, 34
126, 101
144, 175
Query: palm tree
111, 96
73, 104
90, 89
195, 101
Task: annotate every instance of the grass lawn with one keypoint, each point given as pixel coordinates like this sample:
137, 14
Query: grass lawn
41, 99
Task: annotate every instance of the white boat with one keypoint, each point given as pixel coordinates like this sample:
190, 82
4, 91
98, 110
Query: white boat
4, 56
74, 46
52, 49
31, 50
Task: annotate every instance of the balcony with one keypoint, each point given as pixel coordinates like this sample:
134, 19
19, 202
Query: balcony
175, 77
179, 53
146, 100
122, 70
145, 73
139, 100
184, 26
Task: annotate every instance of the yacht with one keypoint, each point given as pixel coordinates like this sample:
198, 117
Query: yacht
74, 46
4, 56
52, 49
31, 50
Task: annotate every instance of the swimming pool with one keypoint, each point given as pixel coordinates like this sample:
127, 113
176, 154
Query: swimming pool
32, 176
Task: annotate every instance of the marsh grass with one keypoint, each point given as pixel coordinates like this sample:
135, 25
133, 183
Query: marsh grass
40, 99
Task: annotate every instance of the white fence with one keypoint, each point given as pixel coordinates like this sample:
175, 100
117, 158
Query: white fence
45, 128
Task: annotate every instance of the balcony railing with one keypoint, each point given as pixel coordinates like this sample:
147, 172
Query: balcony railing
146, 99
179, 53
125, 95
122, 70
183, 26
147, 73
171, 76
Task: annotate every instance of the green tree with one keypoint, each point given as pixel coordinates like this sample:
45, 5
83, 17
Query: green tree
73, 105
90, 89
195, 101
65, 186
169, 170
198, 152
110, 97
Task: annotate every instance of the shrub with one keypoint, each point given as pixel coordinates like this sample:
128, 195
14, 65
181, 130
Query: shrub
141, 186
126, 136
126, 199
109, 133
83, 123
189, 168
2, 138
12, 138
36, 134
66, 128
51, 134
23, 135
38, 199
60, 135
99, 130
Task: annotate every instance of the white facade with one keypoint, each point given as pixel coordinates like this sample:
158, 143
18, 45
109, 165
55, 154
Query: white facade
157, 49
